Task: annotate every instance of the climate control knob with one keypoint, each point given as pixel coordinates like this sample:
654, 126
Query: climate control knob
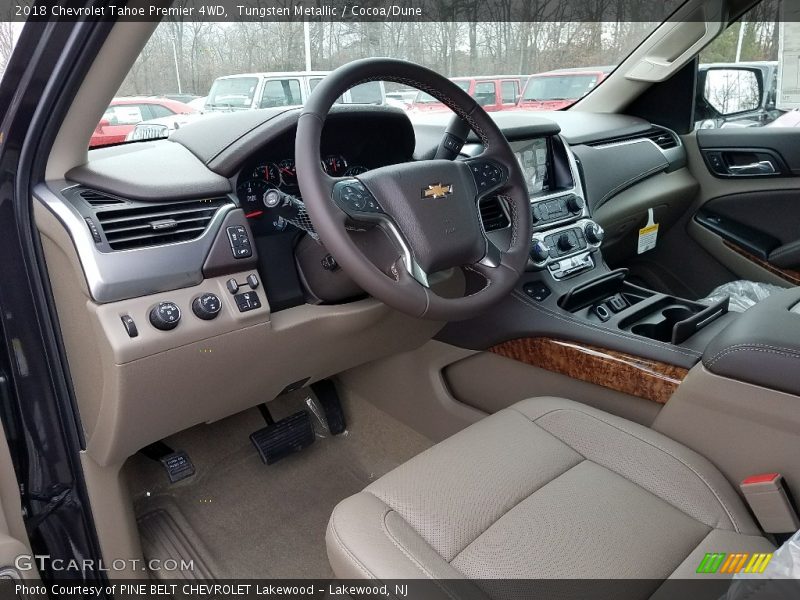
207, 306
540, 251
575, 203
165, 316
594, 233
565, 243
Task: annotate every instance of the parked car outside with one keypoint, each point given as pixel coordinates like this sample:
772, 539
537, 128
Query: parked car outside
249, 91
155, 129
123, 114
492, 92
561, 88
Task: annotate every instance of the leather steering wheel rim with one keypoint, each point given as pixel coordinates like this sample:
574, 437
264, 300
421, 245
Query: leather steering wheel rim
432, 225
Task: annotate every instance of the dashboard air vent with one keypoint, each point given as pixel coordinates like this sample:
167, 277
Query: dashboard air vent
95, 198
153, 224
663, 138
493, 214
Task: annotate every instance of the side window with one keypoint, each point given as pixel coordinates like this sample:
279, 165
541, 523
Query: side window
484, 93
740, 75
281, 92
509, 90
158, 111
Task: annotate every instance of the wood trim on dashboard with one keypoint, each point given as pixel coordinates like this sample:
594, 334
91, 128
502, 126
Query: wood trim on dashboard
634, 375
789, 275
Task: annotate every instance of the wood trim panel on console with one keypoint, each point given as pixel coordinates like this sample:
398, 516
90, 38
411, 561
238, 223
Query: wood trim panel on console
789, 275
641, 377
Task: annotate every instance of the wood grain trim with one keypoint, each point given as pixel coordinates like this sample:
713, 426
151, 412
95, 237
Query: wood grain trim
789, 275
641, 377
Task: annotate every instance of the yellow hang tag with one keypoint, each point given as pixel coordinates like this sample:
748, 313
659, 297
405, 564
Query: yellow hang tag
648, 234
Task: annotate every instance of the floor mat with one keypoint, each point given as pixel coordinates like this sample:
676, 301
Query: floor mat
254, 520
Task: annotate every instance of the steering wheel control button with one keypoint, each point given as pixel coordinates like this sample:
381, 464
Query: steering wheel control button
252, 281
206, 306
247, 301
232, 285
130, 326
537, 290
240, 242
165, 316
487, 175
452, 143
353, 197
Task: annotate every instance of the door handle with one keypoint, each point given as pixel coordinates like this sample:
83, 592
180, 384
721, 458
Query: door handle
762, 167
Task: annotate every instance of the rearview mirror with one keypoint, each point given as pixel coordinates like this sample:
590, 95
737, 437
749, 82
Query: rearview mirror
731, 91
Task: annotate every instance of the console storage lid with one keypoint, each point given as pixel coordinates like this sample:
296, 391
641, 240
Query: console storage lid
762, 346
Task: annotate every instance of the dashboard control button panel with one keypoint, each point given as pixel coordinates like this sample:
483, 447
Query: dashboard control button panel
247, 301
240, 242
557, 209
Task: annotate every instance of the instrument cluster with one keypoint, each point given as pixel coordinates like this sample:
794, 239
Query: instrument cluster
254, 183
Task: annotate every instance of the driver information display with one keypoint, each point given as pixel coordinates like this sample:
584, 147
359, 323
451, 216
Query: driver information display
533, 160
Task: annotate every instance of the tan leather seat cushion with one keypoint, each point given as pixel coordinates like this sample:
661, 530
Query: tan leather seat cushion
548, 488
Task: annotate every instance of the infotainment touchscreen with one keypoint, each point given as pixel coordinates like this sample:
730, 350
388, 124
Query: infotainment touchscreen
534, 159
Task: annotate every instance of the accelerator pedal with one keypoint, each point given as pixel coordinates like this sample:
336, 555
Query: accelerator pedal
281, 438
328, 399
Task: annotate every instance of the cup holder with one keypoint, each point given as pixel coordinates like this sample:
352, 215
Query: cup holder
662, 329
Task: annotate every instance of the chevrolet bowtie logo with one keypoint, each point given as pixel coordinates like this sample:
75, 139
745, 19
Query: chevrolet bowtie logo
437, 190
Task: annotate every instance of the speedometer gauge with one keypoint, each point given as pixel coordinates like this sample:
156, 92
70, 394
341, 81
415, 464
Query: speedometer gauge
334, 165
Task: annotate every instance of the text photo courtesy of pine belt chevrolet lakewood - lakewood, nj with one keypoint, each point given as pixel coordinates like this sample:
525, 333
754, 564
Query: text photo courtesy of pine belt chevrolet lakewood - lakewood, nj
447, 299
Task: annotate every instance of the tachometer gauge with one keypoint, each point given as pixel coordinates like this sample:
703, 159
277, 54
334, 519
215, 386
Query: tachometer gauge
269, 172
288, 172
334, 165
251, 196
355, 170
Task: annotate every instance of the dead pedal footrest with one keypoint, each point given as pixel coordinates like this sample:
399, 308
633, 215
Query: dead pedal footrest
284, 437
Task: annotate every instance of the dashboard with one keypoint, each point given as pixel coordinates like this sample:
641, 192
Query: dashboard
142, 238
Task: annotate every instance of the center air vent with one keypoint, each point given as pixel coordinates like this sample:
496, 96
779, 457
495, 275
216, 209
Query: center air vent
493, 214
663, 138
151, 224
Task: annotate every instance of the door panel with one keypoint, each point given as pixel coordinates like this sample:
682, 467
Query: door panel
746, 220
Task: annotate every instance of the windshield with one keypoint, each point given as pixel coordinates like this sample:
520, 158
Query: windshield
560, 87
256, 63
424, 98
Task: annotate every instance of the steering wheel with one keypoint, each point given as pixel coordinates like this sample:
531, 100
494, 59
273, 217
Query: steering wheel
429, 208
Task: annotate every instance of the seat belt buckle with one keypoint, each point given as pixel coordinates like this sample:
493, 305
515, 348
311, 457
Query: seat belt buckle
767, 497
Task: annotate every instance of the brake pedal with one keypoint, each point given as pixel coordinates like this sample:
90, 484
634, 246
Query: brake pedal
281, 438
328, 398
